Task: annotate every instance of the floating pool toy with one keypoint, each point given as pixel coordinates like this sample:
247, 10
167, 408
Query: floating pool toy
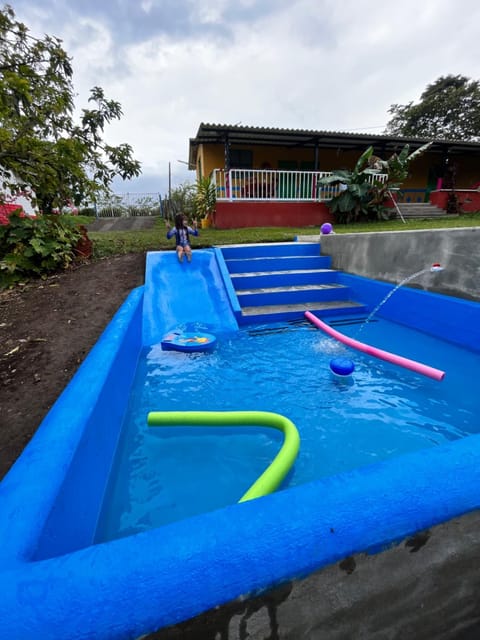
436, 266
413, 365
275, 473
342, 366
326, 228
178, 341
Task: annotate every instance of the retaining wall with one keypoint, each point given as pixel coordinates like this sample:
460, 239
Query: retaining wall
394, 256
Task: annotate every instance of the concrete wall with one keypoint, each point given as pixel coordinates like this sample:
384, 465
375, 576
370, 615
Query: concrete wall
394, 256
425, 588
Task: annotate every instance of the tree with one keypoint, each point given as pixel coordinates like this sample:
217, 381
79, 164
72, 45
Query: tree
41, 146
448, 109
182, 198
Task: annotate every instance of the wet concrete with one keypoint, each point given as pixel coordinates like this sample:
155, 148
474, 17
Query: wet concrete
424, 588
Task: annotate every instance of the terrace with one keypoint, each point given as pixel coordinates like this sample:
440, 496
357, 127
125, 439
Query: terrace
265, 197
277, 185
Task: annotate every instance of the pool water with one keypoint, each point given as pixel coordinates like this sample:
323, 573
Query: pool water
162, 474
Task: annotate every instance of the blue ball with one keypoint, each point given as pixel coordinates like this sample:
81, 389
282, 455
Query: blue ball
342, 366
326, 228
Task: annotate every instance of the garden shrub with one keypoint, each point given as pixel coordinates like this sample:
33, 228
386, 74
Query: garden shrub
134, 211
88, 211
32, 247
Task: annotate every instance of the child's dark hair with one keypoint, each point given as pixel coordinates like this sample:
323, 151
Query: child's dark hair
179, 221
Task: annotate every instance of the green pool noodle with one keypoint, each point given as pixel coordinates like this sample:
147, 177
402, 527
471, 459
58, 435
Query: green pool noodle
275, 473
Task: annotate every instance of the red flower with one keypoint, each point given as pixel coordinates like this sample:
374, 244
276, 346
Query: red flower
7, 209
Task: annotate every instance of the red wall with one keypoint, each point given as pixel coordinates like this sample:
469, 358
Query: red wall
235, 215
469, 201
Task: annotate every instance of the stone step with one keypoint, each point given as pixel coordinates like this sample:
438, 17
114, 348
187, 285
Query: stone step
278, 263
281, 309
271, 249
249, 274
250, 280
296, 287
420, 210
277, 283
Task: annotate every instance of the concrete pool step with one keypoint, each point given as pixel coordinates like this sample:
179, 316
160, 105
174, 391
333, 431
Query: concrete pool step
278, 263
280, 281
287, 312
272, 249
286, 277
292, 294
295, 287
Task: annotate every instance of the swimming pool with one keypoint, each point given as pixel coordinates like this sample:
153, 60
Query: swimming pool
57, 582
380, 411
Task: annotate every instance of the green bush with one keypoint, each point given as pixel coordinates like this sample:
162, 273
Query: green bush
112, 212
134, 210
32, 247
87, 211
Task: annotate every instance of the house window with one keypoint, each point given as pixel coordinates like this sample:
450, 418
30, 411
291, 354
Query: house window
241, 159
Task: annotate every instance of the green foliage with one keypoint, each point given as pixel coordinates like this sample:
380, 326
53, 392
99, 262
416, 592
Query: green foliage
144, 206
182, 200
448, 109
205, 197
88, 211
41, 146
36, 246
113, 211
364, 197
117, 206
355, 202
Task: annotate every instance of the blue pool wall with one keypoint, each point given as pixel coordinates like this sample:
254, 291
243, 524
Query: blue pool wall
439, 315
72, 521
54, 583
52, 494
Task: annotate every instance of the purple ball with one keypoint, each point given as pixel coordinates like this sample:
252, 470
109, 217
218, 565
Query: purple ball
326, 228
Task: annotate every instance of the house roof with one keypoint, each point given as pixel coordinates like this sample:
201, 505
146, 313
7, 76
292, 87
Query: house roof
306, 138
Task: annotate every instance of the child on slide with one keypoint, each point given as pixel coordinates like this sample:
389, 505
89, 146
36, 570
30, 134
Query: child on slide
182, 232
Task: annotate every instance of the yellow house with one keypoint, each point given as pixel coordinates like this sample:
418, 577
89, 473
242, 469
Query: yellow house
269, 177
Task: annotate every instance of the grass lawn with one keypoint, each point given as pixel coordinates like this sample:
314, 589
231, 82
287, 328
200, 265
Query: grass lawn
110, 243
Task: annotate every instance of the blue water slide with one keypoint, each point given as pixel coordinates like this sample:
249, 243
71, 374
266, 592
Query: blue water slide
195, 295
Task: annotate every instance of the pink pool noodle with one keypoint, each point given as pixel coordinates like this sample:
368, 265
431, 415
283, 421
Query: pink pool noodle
418, 367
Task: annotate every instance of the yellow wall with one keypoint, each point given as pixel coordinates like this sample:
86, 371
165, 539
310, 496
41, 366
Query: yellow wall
211, 157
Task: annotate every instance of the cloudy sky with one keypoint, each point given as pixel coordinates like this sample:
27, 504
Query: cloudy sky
334, 65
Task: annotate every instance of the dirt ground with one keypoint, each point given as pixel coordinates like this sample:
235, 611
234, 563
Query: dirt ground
47, 327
